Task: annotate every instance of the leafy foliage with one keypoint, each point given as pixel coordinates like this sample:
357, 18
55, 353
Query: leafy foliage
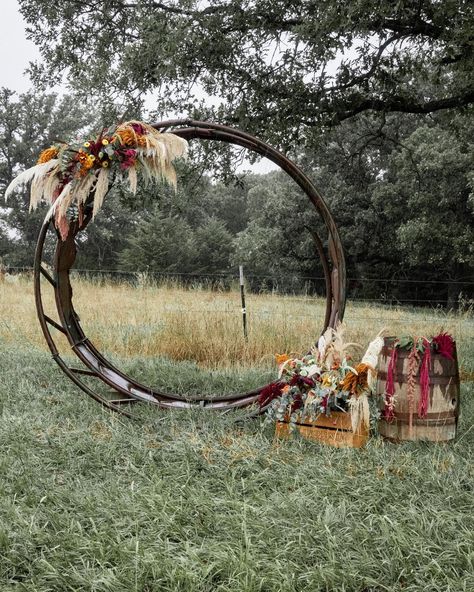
276, 67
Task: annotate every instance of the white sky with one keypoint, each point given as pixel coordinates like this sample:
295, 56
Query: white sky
17, 52
15, 49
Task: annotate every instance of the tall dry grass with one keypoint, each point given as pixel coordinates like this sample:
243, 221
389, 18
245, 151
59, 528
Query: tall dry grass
206, 326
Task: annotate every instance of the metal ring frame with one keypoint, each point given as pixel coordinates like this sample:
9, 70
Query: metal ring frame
126, 390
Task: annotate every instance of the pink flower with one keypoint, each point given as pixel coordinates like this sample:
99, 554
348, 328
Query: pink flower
128, 158
139, 129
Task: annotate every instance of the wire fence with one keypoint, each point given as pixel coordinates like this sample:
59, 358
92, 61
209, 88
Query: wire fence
445, 294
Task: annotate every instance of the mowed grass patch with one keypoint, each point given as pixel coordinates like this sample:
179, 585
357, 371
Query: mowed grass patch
192, 500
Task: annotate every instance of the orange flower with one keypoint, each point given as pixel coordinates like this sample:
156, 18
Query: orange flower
356, 383
129, 137
281, 358
48, 154
87, 162
286, 388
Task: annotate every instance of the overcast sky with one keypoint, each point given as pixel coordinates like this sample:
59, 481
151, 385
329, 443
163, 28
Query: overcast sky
15, 49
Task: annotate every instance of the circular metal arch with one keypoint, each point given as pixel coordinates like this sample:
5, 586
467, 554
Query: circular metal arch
93, 365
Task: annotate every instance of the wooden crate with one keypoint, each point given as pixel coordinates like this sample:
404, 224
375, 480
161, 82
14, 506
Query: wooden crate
335, 430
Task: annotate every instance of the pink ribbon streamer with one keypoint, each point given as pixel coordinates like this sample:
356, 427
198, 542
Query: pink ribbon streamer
424, 381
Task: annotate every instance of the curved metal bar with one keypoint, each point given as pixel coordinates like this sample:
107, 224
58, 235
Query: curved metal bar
98, 366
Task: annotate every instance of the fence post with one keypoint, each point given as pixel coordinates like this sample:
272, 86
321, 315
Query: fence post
242, 297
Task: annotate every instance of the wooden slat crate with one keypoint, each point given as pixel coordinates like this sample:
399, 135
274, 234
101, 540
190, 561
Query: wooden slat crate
335, 430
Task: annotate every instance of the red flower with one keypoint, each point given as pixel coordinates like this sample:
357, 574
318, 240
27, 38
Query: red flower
301, 381
270, 392
128, 157
297, 402
95, 147
443, 344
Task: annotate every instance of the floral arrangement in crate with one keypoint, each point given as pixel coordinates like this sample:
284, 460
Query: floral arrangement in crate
324, 381
419, 360
67, 174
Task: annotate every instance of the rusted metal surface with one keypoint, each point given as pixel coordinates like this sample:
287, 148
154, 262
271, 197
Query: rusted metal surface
95, 366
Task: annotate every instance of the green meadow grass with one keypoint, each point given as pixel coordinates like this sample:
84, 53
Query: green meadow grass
194, 501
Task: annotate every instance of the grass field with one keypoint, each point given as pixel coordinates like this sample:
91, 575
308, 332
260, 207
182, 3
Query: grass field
193, 501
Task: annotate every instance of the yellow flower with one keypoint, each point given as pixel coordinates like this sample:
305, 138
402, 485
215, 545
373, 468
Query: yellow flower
48, 155
87, 144
105, 141
105, 164
327, 380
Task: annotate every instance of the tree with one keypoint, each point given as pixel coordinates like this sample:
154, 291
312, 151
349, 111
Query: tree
158, 244
430, 188
277, 244
29, 123
212, 245
277, 67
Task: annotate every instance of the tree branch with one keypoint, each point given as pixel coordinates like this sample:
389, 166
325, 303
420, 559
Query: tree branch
404, 105
375, 63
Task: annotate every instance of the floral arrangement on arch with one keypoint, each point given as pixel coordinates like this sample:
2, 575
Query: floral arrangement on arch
323, 381
67, 174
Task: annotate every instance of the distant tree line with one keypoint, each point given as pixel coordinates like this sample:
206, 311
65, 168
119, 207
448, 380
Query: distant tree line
401, 191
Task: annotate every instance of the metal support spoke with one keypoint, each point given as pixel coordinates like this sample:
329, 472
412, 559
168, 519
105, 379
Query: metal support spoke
55, 325
83, 371
45, 274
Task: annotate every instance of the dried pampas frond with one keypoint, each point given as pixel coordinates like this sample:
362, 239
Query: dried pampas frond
35, 172
132, 179
101, 188
371, 356
323, 343
169, 174
176, 146
360, 412
84, 188
336, 349
51, 185
65, 202
57, 203
38, 185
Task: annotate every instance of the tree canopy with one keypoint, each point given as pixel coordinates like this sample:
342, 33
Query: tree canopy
275, 67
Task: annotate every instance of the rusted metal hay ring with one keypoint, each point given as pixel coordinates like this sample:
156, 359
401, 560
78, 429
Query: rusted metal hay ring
122, 388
